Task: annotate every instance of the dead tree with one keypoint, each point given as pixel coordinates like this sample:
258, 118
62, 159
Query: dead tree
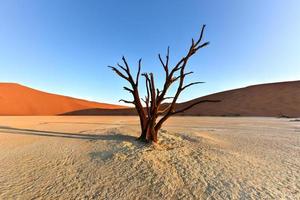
149, 115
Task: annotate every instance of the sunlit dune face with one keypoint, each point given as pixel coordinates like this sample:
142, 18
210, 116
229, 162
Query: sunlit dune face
16, 99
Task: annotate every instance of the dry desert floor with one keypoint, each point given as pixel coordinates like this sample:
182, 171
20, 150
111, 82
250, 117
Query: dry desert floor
196, 158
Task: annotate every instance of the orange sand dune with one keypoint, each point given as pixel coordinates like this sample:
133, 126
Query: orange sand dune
272, 100
16, 99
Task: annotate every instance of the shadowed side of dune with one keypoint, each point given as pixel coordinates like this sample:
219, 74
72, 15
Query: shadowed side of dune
100, 111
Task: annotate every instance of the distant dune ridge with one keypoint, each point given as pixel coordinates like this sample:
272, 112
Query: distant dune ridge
16, 99
271, 100
274, 99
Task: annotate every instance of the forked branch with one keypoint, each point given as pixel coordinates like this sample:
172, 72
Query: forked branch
170, 79
194, 104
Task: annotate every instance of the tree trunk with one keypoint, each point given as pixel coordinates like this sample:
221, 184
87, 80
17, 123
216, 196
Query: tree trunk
149, 134
154, 136
143, 136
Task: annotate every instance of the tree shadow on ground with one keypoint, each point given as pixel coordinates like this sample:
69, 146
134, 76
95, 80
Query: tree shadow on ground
100, 136
87, 123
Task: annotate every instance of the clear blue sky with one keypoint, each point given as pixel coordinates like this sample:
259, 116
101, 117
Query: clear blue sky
64, 46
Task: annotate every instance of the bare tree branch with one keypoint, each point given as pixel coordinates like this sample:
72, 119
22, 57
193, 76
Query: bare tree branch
195, 46
134, 84
189, 85
126, 101
126, 64
138, 73
167, 58
193, 104
129, 90
118, 72
161, 61
164, 110
165, 98
121, 66
188, 73
201, 46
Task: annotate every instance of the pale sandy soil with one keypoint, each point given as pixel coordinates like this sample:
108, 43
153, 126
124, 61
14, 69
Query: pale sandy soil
197, 158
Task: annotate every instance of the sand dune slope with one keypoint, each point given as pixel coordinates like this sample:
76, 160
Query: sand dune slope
16, 99
269, 100
274, 99
197, 158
